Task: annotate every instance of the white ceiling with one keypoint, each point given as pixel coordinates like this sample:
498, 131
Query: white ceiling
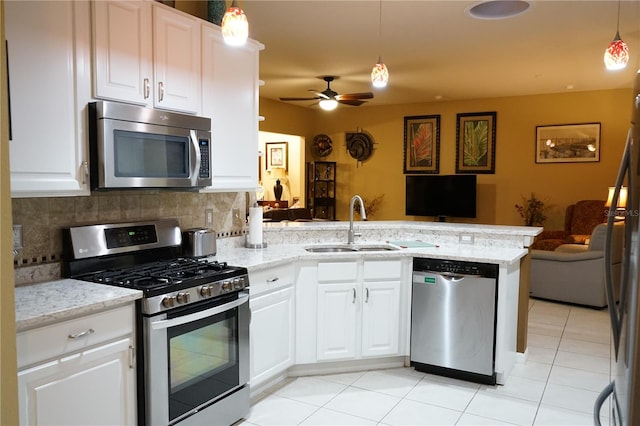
435, 49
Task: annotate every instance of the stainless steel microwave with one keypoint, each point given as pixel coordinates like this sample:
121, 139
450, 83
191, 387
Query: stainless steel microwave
136, 147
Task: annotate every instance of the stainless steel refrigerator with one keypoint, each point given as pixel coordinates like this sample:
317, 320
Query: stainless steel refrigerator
623, 392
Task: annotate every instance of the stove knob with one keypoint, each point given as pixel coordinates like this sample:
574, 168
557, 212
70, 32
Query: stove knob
168, 301
227, 286
182, 298
237, 284
206, 291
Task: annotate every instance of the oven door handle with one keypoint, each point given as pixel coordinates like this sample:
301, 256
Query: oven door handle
162, 324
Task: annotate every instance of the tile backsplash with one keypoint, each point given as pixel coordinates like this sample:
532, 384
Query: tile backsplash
42, 219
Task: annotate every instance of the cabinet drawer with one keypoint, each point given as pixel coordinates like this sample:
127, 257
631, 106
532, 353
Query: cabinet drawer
54, 340
337, 271
382, 269
269, 279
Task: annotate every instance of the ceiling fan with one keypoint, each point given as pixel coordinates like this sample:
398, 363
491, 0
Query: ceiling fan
329, 99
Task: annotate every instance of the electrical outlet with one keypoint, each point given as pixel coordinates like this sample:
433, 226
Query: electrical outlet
17, 237
466, 239
208, 218
235, 215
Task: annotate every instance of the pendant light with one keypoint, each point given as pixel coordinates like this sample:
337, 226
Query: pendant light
616, 55
380, 72
235, 27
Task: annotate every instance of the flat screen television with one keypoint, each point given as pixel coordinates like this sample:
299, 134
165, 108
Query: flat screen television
441, 196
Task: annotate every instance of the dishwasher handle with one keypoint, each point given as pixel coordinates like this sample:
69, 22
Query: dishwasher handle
420, 277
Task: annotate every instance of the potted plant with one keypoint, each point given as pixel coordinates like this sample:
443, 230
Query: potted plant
532, 211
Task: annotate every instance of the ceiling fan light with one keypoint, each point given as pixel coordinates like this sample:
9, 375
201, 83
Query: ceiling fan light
328, 104
235, 27
616, 56
380, 75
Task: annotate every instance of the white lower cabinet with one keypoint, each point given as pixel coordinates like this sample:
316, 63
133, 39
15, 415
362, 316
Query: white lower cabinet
79, 372
358, 309
272, 323
271, 335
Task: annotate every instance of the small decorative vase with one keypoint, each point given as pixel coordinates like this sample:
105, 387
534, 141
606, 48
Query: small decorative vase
277, 190
215, 11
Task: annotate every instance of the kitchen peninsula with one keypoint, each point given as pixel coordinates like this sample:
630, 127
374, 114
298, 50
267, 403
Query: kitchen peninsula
293, 293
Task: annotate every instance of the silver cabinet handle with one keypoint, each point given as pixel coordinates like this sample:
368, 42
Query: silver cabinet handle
146, 89
160, 91
132, 356
366, 297
82, 334
85, 172
354, 296
272, 280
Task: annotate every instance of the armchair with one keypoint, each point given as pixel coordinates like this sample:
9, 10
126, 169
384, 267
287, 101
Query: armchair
579, 221
575, 273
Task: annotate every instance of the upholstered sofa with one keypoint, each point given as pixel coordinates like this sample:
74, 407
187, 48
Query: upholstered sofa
579, 221
574, 273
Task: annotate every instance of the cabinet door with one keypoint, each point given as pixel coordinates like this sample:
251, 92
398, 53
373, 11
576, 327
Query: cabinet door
88, 388
176, 46
381, 318
271, 334
230, 99
48, 55
123, 51
337, 321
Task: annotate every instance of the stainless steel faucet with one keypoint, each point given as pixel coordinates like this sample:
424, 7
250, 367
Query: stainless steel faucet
363, 215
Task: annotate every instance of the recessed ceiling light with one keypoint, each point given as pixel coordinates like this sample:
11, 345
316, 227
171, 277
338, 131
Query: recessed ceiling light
498, 9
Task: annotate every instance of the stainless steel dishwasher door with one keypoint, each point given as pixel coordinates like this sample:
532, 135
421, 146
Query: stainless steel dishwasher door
453, 322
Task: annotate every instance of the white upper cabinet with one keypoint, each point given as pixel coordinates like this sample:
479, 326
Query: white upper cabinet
123, 51
48, 49
230, 99
148, 54
176, 48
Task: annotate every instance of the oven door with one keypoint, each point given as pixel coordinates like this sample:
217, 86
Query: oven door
195, 357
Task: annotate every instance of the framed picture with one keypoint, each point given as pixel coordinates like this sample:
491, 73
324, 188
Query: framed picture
568, 143
476, 142
422, 144
276, 156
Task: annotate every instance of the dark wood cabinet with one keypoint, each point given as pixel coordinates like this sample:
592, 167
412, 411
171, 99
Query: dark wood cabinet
321, 189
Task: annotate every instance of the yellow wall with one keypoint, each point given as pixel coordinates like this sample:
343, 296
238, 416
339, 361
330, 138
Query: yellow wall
516, 175
8, 366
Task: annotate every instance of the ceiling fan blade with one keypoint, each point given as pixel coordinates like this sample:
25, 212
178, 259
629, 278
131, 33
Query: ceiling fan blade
319, 95
352, 102
299, 99
350, 96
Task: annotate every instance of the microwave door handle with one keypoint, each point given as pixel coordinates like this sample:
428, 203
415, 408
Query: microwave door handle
195, 151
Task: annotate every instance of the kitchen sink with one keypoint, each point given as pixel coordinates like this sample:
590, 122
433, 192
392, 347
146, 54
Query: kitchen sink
345, 248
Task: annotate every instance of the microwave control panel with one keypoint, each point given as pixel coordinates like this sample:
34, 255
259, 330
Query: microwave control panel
205, 158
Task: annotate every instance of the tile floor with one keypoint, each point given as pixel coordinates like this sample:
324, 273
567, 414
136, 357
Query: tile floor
567, 367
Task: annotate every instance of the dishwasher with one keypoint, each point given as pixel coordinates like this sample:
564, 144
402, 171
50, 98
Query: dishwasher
453, 319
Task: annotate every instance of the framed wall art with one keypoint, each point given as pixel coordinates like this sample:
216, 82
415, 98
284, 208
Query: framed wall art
276, 155
422, 144
476, 142
568, 143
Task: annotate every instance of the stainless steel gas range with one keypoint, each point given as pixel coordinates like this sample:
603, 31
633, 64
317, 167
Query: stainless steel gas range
192, 323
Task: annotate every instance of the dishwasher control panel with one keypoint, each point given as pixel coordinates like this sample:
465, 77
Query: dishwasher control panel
488, 270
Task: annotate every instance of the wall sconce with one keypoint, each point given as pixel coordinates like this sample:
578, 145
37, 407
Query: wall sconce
622, 201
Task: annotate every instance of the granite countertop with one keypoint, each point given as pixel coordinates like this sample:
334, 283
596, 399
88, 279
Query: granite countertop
273, 255
49, 302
